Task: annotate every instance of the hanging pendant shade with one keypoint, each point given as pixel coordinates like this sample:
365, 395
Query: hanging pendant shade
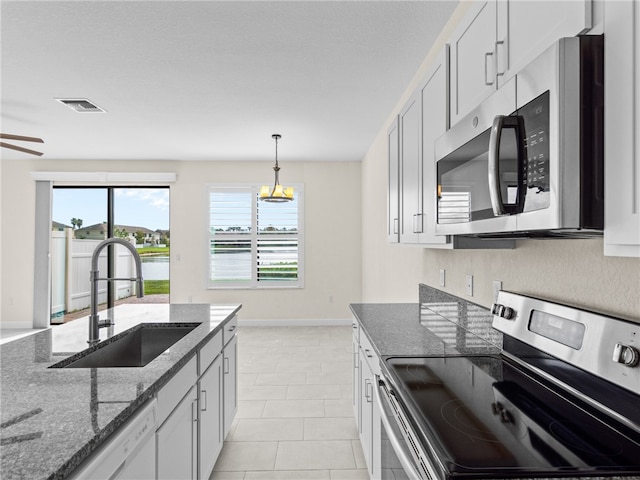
276, 193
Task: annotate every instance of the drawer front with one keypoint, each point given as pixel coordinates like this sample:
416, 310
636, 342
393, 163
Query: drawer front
356, 330
169, 395
229, 330
209, 352
369, 354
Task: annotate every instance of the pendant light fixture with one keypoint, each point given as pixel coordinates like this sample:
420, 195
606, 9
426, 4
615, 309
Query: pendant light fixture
277, 193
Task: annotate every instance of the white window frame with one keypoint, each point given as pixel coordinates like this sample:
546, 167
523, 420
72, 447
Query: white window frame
253, 283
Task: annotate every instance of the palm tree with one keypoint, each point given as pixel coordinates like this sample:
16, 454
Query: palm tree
76, 222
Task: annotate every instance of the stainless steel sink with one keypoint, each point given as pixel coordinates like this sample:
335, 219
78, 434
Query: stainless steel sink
135, 348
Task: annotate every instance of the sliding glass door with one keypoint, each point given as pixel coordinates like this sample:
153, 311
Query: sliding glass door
85, 216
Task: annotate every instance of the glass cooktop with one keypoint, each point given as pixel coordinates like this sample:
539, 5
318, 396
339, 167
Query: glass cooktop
484, 417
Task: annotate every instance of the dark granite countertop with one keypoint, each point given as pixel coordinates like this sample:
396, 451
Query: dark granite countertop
54, 418
439, 325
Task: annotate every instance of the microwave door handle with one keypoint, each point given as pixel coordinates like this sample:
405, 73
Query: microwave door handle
494, 166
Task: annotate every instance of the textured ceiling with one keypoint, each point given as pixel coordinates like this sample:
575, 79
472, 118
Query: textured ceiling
209, 80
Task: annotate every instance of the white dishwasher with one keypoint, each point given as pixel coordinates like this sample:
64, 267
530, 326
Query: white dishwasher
128, 454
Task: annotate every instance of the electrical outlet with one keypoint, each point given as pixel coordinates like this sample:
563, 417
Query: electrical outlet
497, 286
442, 273
470, 285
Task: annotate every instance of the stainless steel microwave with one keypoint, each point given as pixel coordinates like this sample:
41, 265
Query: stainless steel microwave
528, 162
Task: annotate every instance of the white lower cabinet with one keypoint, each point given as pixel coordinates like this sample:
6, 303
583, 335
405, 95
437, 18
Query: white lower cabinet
366, 410
230, 373
365, 369
177, 440
191, 415
355, 372
210, 434
192, 431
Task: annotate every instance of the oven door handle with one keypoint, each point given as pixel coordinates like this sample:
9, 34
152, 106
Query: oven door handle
403, 456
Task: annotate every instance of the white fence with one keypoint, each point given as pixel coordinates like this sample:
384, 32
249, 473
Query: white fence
70, 267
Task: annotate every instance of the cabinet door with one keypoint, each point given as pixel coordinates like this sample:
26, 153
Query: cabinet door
525, 29
355, 375
230, 369
210, 434
366, 411
410, 168
622, 129
472, 59
434, 98
393, 192
177, 440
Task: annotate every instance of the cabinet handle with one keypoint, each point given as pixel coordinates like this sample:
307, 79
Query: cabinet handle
367, 390
368, 353
500, 47
486, 56
194, 411
354, 326
355, 360
232, 328
226, 365
417, 223
204, 396
395, 226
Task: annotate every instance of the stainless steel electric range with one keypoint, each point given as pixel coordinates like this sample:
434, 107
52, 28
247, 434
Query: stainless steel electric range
562, 399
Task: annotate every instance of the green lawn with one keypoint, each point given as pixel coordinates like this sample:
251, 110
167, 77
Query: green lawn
156, 287
153, 251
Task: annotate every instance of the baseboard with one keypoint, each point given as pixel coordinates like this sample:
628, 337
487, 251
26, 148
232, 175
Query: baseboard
311, 322
14, 325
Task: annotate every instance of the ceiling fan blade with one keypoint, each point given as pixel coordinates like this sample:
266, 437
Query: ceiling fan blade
7, 136
20, 149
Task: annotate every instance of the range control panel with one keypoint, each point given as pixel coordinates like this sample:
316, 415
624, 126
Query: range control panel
605, 346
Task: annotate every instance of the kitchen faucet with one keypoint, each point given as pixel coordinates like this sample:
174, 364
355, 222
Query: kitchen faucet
95, 324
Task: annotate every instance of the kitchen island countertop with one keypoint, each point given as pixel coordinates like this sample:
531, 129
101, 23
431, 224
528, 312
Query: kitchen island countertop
54, 418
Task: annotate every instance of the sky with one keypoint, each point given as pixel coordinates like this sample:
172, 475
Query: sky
140, 207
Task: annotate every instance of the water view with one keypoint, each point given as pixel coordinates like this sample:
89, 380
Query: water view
155, 268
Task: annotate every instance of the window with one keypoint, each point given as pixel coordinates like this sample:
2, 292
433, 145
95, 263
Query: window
254, 244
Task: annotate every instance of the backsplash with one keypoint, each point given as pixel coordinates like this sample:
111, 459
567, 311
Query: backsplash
469, 316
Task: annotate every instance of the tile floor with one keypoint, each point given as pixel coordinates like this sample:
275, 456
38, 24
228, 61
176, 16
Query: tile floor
295, 419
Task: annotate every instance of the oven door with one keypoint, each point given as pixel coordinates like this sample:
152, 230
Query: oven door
401, 454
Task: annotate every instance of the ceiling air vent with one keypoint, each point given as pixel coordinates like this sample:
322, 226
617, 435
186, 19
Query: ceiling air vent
81, 105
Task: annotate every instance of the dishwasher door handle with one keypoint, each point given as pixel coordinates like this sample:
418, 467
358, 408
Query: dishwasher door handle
397, 444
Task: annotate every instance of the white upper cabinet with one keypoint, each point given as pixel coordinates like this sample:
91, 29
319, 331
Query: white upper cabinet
622, 128
423, 119
393, 171
527, 28
434, 121
499, 37
410, 169
472, 63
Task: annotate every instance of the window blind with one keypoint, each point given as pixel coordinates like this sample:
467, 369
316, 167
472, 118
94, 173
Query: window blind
253, 244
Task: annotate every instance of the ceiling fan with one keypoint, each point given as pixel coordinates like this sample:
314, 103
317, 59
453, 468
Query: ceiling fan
21, 138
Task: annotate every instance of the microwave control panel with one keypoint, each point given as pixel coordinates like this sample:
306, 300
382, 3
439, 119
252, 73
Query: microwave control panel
536, 123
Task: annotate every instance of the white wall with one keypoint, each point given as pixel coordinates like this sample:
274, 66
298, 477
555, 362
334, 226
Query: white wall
570, 271
332, 235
